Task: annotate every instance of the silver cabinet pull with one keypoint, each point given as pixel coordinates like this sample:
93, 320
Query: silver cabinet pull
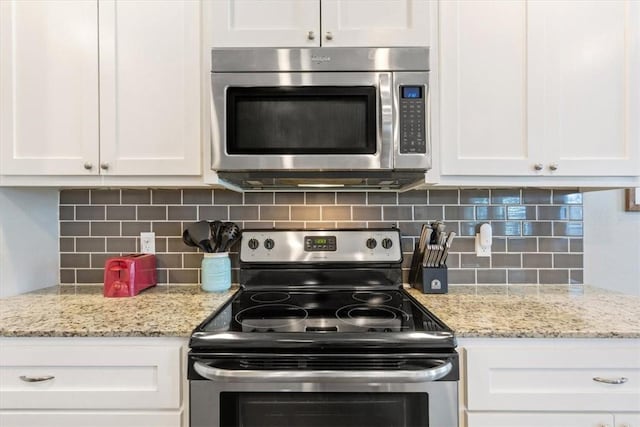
620, 380
88, 166
329, 36
28, 379
538, 166
104, 166
311, 35
266, 376
553, 166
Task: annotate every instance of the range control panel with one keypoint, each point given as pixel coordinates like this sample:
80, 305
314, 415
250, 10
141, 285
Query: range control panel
412, 119
318, 246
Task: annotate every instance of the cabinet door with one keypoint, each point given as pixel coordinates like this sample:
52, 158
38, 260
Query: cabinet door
150, 87
49, 87
90, 418
528, 419
584, 85
628, 420
275, 23
376, 22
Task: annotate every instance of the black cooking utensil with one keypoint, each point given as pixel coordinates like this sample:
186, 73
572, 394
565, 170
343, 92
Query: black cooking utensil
200, 234
214, 240
229, 234
186, 238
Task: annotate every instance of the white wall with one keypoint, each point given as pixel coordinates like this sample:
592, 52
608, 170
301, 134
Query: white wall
29, 239
611, 242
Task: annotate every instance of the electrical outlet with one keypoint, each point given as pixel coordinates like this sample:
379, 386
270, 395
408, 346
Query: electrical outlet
482, 251
148, 243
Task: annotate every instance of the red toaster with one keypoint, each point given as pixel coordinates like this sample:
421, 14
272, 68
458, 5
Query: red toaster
128, 275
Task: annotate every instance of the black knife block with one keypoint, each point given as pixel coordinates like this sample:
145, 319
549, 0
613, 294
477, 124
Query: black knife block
432, 280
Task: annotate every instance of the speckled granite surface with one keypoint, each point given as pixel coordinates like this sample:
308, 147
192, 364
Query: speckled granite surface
474, 311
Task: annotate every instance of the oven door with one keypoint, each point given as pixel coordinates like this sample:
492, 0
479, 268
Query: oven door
224, 397
302, 121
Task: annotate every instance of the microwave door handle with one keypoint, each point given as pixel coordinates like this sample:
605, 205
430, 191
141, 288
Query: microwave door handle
402, 376
385, 130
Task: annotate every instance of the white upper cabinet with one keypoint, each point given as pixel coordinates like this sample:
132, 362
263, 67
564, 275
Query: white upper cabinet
48, 87
100, 87
540, 88
299, 23
150, 87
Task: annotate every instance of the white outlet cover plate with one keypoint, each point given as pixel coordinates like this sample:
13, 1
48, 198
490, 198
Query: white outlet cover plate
148, 243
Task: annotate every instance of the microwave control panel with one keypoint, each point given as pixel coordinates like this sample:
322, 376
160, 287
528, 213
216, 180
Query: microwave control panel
412, 120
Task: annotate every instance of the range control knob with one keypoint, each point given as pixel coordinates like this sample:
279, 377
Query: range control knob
253, 243
371, 243
269, 244
387, 243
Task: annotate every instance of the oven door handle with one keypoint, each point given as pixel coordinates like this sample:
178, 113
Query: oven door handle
401, 376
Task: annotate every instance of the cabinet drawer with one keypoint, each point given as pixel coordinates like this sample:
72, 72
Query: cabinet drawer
90, 374
90, 418
528, 419
554, 376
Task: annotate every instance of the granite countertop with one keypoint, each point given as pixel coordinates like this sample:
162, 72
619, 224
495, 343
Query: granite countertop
471, 311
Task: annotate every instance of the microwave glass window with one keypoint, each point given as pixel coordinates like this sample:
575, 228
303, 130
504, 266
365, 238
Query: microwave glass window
301, 120
411, 92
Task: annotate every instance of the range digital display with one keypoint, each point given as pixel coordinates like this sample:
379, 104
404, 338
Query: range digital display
319, 243
411, 92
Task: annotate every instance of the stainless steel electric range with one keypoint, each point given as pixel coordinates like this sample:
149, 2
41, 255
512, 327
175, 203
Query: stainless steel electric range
322, 334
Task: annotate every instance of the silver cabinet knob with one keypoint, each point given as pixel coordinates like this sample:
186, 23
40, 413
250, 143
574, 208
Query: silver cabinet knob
538, 166
329, 36
104, 166
553, 166
88, 166
311, 35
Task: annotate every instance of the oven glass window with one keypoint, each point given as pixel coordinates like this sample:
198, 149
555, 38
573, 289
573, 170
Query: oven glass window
301, 120
241, 409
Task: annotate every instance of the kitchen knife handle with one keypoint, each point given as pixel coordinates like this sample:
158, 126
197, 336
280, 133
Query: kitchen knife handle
619, 380
29, 379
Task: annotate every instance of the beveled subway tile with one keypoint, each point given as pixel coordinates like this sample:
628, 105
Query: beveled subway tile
571, 228
382, 198
161, 244
522, 244
289, 198
197, 196
553, 244
536, 196
305, 213
74, 197
122, 244
499, 244
136, 197
161, 276
367, 213
67, 276
184, 276
575, 213
105, 229
473, 261
459, 212
152, 213
320, 224
407, 244
467, 228
506, 228
351, 224
336, 213
166, 197
522, 277
67, 244
262, 225
90, 244
192, 260
135, 228
75, 228
428, 213
169, 229
506, 261
414, 197
105, 197
453, 260
553, 212
169, 260
461, 277
554, 276
212, 213
121, 213
576, 245
450, 226
537, 228
521, 212
463, 244
225, 197
567, 260
75, 261
257, 198
182, 213
506, 196
66, 213
443, 197
274, 213
401, 213
175, 244
244, 213
576, 277
407, 228
474, 197
355, 198
98, 260
95, 213
491, 276
88, 276
533, 260
289, 224
490, 212
320, 198
567, 197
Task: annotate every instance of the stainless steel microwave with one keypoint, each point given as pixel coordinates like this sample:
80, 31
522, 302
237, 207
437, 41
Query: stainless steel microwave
356, 117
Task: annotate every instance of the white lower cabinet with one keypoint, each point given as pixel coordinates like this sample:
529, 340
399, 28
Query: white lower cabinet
552, 382
92, 382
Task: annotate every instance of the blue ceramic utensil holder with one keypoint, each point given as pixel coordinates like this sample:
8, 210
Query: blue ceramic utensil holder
216, 272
